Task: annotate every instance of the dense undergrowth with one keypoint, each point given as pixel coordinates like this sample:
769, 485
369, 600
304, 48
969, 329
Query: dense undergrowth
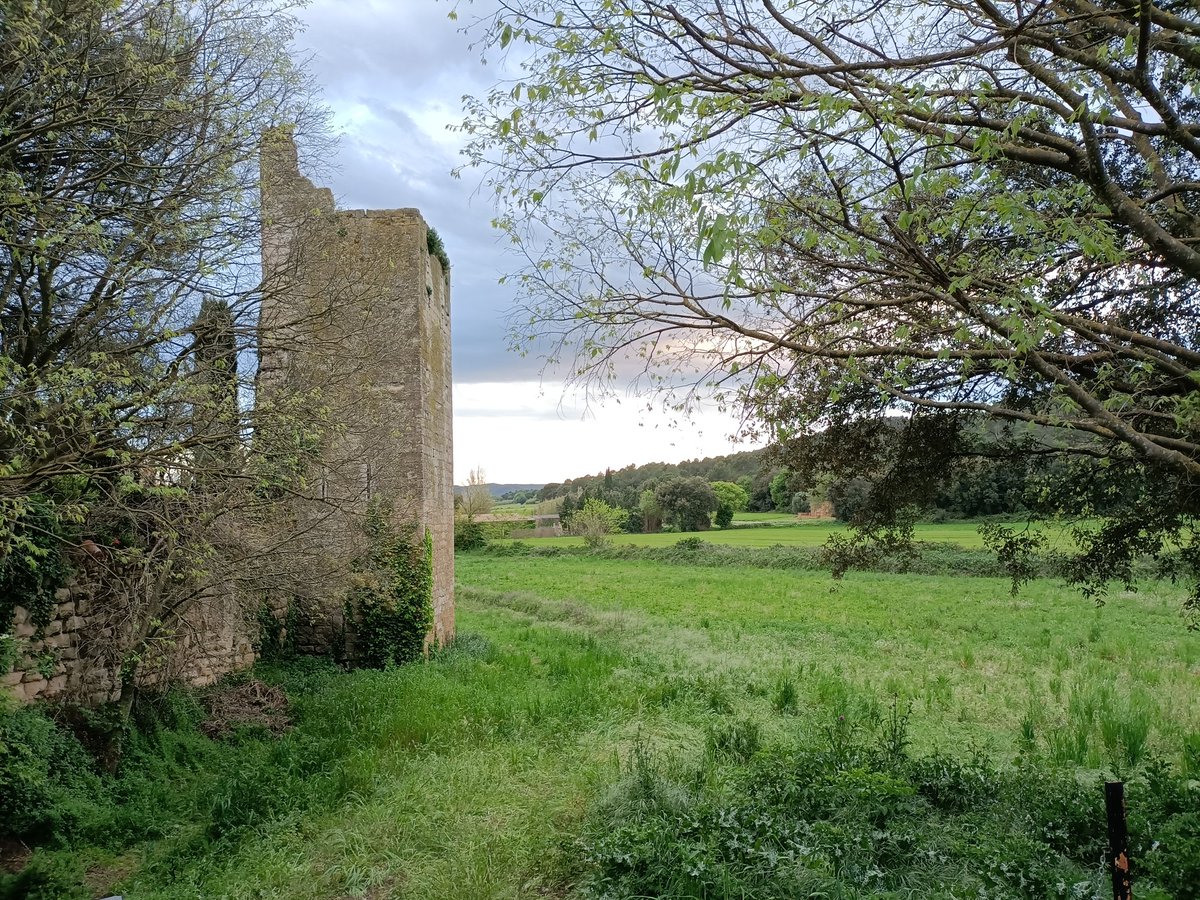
177, 796
174, 790
184, 815
841, 816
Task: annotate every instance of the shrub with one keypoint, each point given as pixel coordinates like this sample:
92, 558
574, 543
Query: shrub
596, 520
392, 603
40, 764
437, 249
46, 877
724, 516
780, 823
277, 637
468, 535
32, 564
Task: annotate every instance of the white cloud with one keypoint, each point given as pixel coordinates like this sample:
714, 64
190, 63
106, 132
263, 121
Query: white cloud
523, 432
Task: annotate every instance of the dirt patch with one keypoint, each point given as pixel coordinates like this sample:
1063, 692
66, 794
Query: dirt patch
13, 855
252, 704
100, 878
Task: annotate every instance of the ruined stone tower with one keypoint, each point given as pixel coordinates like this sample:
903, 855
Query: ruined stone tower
356, 316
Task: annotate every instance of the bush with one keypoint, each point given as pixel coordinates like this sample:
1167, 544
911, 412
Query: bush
437, 249
596, 520
724, 516
869, 820
392, 606
468, 535
33, 566
46, 877
41, 764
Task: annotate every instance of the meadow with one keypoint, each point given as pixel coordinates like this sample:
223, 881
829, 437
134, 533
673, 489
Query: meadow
621, 728
784, 530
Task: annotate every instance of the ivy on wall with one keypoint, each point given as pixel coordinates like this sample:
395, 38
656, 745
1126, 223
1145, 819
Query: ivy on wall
33, 566
391, 605
277, 636
433, 242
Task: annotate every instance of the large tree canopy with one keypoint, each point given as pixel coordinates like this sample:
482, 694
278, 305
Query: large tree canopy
129, 138
950, 209
129, 288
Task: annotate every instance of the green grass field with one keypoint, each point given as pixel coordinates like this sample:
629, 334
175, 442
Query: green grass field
514, 509
975, 660
811, 533
472, 776
763, 517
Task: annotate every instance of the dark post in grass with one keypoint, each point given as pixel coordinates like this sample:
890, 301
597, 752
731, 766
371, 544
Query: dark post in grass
1118, 840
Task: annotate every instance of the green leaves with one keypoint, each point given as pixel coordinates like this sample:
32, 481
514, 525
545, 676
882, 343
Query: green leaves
717, 239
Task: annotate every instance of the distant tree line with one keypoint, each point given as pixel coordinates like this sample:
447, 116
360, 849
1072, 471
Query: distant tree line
697, 494
630, 481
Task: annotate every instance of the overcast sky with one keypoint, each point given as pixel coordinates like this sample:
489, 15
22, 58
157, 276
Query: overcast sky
394, 73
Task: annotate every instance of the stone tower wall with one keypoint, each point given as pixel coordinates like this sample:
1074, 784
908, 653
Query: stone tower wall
356, 314
355, 307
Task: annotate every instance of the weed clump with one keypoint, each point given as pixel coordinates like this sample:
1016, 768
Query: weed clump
467, 645
45, 878
42, 766
845, 816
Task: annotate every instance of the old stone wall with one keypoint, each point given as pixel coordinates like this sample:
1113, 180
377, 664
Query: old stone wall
72, 657
357, 312
355, 330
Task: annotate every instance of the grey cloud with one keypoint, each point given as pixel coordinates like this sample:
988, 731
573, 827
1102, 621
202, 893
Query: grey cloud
405, 45
393, 60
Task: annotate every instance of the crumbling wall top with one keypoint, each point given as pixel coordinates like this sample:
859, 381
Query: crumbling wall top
283, 185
